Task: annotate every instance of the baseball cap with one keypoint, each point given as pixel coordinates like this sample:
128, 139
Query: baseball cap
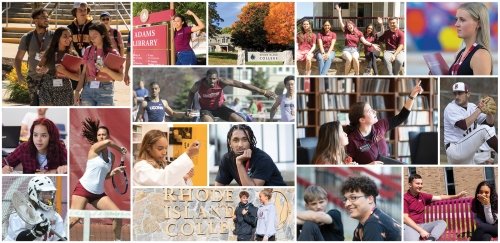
105, 14
460, 86
78, 4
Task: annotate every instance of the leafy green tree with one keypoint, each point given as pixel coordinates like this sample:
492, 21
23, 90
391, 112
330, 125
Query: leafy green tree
182, 97
215, 19
259, 79
226, 30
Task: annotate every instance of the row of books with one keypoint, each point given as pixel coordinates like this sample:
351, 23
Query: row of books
420, 102
302, 119
376, 101
334, 101
335, 85
329, 116
376, 85
406, 85
302, 101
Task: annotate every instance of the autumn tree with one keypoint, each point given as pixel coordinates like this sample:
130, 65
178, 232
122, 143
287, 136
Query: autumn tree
248, 31
279, 24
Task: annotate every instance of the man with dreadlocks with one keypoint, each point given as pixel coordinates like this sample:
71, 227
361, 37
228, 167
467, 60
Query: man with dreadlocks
90, 187
245, 163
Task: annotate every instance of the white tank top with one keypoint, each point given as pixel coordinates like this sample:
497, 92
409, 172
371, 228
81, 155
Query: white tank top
95, 174
287, 106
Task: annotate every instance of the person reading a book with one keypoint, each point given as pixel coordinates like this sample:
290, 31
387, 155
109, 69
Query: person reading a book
352, 37
97, 91
473, 27
306, 40
55, 87
366, 132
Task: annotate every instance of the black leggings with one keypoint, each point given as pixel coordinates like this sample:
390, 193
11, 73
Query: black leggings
485, 232
372, 62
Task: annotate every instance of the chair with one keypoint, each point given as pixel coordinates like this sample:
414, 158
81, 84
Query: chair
62, 131
305, 149
423, 147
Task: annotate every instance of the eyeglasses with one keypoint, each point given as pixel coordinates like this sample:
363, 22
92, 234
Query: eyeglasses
105, 19
352, 198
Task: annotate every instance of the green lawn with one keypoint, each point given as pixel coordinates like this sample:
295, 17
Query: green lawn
222, 58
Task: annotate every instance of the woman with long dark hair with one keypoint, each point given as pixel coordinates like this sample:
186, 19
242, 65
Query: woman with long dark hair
371, 36
326, 43
90, 187
306, 40
182, 37
44, 152
331, 142
97, 91
55, 88
485, 209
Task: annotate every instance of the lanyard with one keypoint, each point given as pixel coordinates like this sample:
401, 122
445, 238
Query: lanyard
40, 43
80, 33
460, 60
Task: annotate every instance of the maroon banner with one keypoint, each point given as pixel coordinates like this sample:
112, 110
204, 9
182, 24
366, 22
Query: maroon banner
150, 38
161, 16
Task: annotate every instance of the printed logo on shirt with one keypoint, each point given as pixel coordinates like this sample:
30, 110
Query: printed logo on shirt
158, 107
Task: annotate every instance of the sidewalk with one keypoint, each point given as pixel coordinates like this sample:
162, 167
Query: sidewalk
121, 96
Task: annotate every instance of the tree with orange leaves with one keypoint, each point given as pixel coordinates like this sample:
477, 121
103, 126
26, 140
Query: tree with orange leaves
279, 23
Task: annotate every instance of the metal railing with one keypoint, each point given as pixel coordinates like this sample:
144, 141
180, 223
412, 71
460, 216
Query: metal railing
8, 5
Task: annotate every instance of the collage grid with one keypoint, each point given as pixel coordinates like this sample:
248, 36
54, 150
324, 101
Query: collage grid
248, 131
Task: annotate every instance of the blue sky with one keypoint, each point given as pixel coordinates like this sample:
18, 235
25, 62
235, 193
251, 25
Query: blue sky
303, 9
229, 12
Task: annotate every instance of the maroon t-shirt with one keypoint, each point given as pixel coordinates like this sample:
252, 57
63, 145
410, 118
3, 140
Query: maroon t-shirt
393, 39
352, 39
370, 38
182, 38
327, 39
365, 151
211, 98
415, 206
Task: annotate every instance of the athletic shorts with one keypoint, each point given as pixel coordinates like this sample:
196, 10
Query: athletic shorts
223, 112
82, 192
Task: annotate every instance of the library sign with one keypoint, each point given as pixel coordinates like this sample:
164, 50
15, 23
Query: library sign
151, 43
201, 214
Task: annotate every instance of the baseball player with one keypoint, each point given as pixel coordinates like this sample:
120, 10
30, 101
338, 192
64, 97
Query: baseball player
467, 126
41, 192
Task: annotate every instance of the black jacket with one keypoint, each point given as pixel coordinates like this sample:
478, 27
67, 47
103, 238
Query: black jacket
245, 224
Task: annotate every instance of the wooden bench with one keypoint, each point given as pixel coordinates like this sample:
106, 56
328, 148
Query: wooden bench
458, 215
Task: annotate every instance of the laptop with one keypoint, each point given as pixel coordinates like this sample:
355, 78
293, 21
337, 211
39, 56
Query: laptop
113, 62
10, 136
436, 63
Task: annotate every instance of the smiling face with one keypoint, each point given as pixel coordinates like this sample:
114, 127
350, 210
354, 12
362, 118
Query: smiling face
178, 23
350, 27
393, 24
41, 138
357, 204
263, 198
159, 150
239, 142
42, 20
244, 199
65, 39
95, 37
369, 29
466, 26
370, 115
306, 26
327, 26
416, 186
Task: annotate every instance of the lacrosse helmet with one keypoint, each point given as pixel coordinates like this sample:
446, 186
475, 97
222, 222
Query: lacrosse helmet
41, 190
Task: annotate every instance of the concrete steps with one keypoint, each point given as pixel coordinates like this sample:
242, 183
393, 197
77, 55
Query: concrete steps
19, 18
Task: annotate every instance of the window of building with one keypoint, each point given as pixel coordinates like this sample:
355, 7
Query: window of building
489, 175
450, 181
412, 171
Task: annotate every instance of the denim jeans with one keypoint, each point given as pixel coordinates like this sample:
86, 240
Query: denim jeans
324, 65
186, 58
102, 96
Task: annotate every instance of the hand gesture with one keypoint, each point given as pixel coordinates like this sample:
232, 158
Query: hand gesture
337, 7
417, 89
246, 155
63, 169
119, 169
424, 234
462, 194
193, 149
41, 228
270, 94
123, 150
189, 12
244, 211
42, 70
380, 21
377, 47
7, 169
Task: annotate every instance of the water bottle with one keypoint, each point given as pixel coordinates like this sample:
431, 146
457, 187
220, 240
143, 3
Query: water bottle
99, 62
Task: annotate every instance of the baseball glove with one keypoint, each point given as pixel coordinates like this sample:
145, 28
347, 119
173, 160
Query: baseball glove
489, 106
